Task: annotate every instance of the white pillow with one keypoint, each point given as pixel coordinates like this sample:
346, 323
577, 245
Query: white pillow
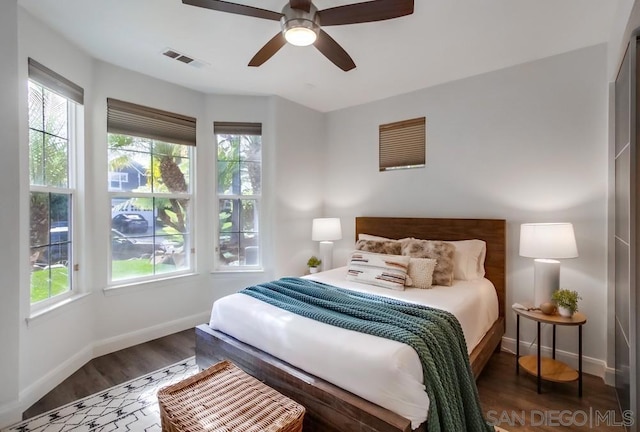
469, 259
387, 271
421, 272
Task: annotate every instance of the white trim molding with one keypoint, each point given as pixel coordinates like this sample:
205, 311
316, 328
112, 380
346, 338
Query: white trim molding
10, 413
109, 345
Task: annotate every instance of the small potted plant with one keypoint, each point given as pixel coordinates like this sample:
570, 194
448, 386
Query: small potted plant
567, 302
313, 264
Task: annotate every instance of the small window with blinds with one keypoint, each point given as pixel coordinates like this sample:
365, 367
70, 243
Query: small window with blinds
403, 144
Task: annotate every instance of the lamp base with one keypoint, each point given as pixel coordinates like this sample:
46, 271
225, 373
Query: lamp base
326, 255
546, 280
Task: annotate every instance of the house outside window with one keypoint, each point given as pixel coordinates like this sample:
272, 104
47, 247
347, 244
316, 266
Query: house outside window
150, 159
54, 104
239, 194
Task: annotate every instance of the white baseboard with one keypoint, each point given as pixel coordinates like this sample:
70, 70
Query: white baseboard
610, 376
590, 365
109, 345
12, 412
54, 377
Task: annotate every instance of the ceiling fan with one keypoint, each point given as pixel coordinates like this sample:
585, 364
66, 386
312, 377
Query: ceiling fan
301, 24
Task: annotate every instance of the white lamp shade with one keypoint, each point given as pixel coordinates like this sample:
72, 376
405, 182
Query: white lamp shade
326, 229
548, 240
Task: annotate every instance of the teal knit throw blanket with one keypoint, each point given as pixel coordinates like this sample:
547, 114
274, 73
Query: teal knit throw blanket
434, 334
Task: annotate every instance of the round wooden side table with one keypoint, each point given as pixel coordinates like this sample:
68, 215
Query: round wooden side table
544, 368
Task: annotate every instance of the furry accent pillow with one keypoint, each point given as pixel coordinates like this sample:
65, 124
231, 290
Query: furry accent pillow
387, 271
387, 247
421, 272
440, 251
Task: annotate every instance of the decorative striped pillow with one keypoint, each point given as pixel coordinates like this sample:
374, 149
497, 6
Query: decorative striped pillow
387, 271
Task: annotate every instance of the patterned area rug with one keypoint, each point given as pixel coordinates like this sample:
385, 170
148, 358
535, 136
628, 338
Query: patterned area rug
128, 407
132, 406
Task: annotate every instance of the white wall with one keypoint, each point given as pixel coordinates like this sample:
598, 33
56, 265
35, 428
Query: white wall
526, 144
298, 192
45, 357
9, 215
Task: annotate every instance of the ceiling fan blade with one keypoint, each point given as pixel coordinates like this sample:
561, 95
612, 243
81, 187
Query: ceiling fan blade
223, 6
376, 10
304, 5
268, 50
334, 52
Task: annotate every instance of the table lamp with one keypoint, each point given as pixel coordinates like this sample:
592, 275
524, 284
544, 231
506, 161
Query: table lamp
547, 242
325, 230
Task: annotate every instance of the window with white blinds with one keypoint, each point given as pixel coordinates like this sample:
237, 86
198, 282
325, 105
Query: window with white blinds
150, 164
403, 144
55, 108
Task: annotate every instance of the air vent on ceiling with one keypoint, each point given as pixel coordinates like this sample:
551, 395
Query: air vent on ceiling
176, 55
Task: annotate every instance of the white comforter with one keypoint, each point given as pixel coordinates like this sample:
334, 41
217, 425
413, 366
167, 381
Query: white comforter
382, 371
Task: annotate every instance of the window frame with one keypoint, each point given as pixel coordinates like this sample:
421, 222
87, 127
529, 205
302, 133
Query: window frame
190, 196
71, 190
235, 128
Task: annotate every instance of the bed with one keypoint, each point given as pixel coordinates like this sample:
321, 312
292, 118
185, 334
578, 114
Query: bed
332, 408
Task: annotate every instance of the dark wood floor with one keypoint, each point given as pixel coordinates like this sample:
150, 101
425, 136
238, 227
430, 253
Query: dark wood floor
501, 391
118, 367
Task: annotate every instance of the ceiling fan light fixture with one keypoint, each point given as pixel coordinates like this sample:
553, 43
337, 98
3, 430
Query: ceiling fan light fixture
300, 36
300, 28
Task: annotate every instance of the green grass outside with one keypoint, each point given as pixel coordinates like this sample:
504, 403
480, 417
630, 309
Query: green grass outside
124, 269
59, 278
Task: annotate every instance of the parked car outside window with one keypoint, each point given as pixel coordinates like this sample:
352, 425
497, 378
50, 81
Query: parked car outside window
130, 223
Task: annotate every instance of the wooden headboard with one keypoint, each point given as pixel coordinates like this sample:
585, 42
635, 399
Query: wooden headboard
492, 231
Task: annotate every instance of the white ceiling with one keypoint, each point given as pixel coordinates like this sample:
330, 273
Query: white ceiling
443, 40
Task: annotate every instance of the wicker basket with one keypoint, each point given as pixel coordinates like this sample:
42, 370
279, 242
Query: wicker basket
224, 398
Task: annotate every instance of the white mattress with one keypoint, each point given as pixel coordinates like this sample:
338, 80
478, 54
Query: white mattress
382, 371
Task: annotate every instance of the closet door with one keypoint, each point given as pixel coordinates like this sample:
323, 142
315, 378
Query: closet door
625, 229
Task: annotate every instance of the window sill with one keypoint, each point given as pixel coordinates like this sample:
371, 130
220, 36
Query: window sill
144, 284
50, 310
238, 271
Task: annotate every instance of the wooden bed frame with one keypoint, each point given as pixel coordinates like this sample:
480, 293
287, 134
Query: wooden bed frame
330, 408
